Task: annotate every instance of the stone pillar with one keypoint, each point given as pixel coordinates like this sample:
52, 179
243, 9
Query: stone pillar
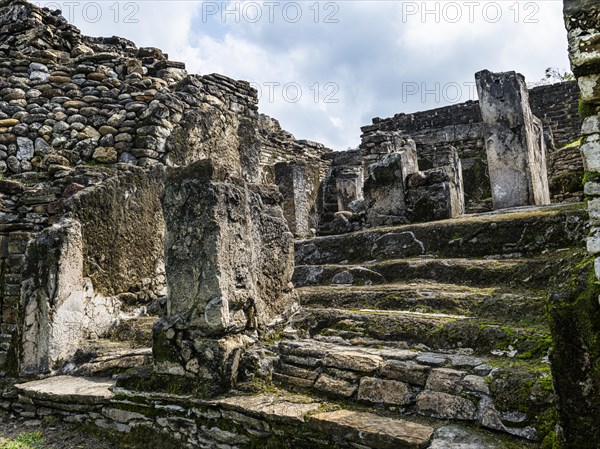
437, 193
386, 185
229, 264
574, 316
299, 185
514, 141
349, 186
54, 295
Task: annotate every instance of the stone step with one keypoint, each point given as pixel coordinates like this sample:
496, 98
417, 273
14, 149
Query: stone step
500, 395
520, 273
417, 330
524, 231
268, 419
106, 358
68, 390
507, 306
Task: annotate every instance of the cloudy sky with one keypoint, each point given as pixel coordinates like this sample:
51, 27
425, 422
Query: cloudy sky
325, 68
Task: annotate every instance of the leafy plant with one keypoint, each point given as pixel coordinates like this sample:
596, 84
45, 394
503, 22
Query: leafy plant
29, 440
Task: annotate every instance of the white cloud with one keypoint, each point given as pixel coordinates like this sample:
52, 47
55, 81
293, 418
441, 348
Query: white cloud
372, 54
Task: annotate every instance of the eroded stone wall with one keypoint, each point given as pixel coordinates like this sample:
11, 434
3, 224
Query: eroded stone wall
86, 126
574, 309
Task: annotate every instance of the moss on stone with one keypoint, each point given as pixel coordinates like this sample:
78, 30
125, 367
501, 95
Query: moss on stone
586, 109
574, 315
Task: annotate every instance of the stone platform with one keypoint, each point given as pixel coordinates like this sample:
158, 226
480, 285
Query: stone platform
271, 419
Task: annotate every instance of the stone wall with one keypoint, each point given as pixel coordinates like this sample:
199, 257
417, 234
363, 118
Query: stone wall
460, 125
86, 126
574, 312
298, 167
279, 145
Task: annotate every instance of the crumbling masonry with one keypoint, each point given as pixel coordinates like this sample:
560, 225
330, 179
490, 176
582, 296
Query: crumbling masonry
177, 268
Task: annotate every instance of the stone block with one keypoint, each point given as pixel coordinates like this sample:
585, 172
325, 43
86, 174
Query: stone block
592, 188
373, 431
299, 186
335, 386
589, 86
593, 241
445, 406
349, 186
384, 391
514, 141
386, 186
228, 252
445, 380
591, 125
437, 193
591, 155
353, 360
404, 371
594, 211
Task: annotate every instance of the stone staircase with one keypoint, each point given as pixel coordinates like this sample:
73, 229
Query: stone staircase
443, 320
128, 346
418, 336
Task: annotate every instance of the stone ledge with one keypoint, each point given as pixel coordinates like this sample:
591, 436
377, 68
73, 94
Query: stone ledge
69, 389
375, 431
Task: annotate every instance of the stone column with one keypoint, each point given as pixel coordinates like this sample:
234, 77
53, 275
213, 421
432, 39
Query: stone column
386, 184
574, 316
437, 193
229, 263
349, 185
514, 141
299, 185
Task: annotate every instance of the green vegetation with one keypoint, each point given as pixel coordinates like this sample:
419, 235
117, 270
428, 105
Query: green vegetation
574, 316
590, 176
30, 440
586, 109
573, 144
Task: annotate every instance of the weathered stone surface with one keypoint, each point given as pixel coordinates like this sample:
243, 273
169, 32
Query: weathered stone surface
60, 307
282, 408
69, 389
232, 244
299, 186
386, 186
373, 431
406, 371
232, 144
105, 155
384, 391
455, 437
445, 380
437, 193
445, 406
353, 360
335, 386
123, 233
514, 141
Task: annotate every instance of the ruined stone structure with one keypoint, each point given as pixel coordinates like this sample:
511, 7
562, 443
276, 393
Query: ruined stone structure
514, 140
575, 318
150, 275
461, 126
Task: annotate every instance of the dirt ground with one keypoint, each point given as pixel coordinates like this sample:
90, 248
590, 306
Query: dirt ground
54, 435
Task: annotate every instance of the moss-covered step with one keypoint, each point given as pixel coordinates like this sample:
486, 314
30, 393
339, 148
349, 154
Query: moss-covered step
510, 396
522, 273
523, 231
525, 307
413, 330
